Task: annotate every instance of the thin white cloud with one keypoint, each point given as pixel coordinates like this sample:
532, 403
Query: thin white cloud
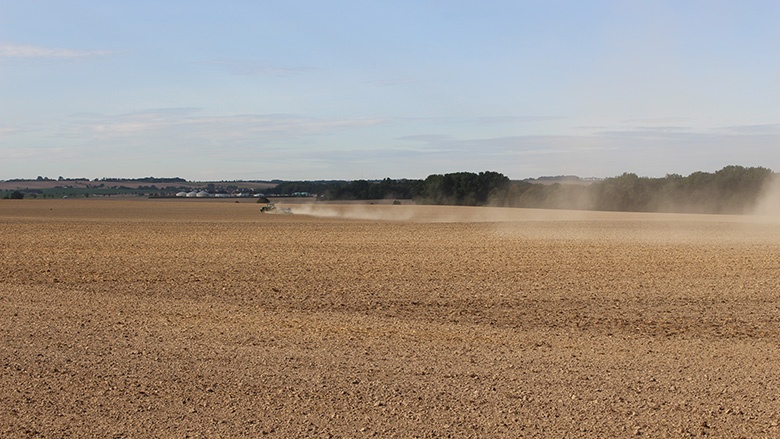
4, 131
39, 154
254, 68
393, 82
11, 50
182, 123
173, 111
499, 146
655, 132
296, 146
510, 120
754, 129
650, 151
669, 120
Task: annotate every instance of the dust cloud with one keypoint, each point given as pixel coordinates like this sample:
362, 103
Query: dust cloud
356, 211
576, 204
768, 202
407, 213
452, 214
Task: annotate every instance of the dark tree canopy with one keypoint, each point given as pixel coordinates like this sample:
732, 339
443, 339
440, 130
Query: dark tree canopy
733, 189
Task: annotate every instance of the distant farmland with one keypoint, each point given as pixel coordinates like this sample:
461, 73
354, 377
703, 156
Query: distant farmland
132, 187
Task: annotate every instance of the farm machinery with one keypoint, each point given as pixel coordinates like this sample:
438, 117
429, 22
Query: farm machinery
271, 208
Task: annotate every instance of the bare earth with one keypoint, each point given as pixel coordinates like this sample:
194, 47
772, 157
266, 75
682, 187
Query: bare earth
181, 318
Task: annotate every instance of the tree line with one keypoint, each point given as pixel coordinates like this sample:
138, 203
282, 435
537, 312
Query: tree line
351, 190
733, 189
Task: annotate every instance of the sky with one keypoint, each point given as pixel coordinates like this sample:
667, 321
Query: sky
369, 89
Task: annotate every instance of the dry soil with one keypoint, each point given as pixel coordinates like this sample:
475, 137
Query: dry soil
204, 318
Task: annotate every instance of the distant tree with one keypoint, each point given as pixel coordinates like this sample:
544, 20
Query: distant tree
16, 195
628, 192
359, 189
465, 188
733, 189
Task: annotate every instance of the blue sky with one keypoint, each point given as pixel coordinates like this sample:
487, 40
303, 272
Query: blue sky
208, 90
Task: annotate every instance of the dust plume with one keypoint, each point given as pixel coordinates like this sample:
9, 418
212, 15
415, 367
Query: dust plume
410, 213
768, 202
356, 211
449, 214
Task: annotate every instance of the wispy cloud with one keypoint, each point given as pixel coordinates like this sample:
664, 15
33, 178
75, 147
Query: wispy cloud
478, 120
667, 132
499, 146
298, 146
176, 138
42, 154
393, 82
664, 136
11, 50
495, 120
669, 120
178, 125
254, 68
4, 131
773, 128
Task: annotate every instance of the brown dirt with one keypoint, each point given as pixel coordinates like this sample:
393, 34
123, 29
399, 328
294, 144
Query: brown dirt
177, 318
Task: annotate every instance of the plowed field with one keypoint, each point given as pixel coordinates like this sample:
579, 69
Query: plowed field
204, 318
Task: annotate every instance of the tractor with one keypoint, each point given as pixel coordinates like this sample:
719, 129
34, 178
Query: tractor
271, 208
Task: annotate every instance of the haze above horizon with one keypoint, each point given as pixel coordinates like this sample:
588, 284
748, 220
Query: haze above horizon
240, 90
